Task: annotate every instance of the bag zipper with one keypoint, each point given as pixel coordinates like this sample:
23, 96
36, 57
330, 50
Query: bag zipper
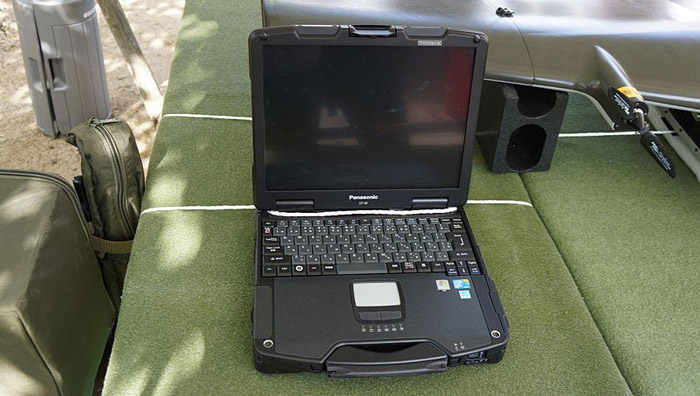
63, 184
118, 169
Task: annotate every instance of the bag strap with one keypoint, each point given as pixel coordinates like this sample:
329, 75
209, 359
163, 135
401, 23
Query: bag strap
115, 247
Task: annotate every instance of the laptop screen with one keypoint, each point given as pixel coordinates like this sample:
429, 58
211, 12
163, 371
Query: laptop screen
365, 117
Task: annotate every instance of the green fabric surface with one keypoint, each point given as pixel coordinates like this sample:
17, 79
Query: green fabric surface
582, 116
628, 234
209, 74
185, 320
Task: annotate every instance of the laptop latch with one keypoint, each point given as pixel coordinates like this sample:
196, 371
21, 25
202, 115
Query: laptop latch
428, 203
306, 205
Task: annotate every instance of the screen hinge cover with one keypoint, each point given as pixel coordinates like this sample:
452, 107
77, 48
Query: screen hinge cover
305, 205
428, 203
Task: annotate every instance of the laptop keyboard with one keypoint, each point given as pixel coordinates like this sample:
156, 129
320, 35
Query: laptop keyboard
380, 245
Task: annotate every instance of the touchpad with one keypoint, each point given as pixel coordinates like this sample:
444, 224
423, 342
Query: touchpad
377, 301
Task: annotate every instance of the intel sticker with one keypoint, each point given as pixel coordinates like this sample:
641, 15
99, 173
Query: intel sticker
465, 294
461, 284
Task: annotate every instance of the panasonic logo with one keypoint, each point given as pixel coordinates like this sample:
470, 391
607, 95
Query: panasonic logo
362, 197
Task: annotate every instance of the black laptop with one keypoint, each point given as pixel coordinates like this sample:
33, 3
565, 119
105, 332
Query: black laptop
365, 261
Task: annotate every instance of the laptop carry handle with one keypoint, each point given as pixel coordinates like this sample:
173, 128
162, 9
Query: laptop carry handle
386, 360
372, 31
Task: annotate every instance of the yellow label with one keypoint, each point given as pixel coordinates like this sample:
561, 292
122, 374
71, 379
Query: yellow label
630, 92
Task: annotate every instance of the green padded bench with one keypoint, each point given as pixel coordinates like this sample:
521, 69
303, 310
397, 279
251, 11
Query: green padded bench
593, 259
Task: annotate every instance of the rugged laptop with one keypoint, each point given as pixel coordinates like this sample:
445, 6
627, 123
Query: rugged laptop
365, 262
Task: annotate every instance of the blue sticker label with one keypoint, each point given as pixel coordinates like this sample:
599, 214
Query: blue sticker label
465, 294
461, 284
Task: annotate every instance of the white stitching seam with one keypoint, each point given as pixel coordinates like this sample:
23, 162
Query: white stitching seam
397, 212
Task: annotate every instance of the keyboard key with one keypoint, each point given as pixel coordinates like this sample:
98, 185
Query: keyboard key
427, 256
473, 268
357, 239
384, 257
328, 269
375, 248
361, 248
332, 249
412, 238
371, 258
400, 257
464, 255
267, 230
361, 268
394, 268
327, 259
272, 250
389, 247
269, 270
403, 247
463, 271
296, 230
284, 270
298, 259
357, 258
445, 246
347, 248
408, 266
451, 269
426, 238
299, 270
271, 240
413, 256
342, 259
318, 248
290, 250
417, 247
441, 256
437, 266
313, 259
423, 267
304, 249
314, 269
278, 259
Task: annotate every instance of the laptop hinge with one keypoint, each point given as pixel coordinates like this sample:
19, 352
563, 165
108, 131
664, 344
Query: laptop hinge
428, 203
295, 205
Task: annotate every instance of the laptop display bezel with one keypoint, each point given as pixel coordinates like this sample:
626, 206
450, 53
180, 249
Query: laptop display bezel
388, 198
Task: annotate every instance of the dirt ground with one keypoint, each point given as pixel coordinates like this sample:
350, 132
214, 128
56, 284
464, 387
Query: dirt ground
24, 146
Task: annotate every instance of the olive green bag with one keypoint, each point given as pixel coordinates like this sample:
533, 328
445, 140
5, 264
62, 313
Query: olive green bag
55, 314
111, 188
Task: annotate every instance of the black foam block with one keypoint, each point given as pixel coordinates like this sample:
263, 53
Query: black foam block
518, 126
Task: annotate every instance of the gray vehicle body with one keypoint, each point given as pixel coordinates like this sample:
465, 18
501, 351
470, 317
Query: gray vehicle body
549, 43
